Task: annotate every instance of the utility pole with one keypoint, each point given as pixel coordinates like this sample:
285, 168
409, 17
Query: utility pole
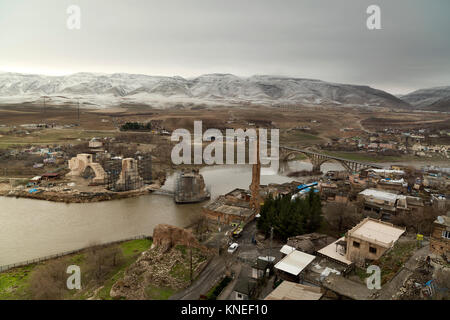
43, 108
271, 238
190, 250
78, 112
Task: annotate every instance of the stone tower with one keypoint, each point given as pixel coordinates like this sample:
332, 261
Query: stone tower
255, 200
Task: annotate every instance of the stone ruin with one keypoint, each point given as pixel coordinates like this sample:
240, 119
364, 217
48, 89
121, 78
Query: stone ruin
129, 178
83, 166
166, 236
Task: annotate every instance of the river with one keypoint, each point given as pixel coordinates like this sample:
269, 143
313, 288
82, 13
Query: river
34, 228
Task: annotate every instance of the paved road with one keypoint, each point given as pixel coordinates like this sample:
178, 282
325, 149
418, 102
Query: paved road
209, 276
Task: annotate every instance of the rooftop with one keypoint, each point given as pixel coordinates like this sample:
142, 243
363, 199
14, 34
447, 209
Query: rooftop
381, 195
376, 231
295, 262
332, 251
444, 220
294, 291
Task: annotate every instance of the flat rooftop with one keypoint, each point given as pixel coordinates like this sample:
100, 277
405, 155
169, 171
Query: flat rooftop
295, 262
376, 231
382, 195
294, 291
332, 251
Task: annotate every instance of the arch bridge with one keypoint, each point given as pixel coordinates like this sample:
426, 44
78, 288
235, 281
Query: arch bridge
317, 159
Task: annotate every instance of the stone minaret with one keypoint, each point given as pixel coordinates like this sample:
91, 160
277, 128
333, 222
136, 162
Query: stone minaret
255, 200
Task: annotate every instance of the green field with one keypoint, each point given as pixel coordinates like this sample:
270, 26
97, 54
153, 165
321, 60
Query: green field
15, 283
52, 136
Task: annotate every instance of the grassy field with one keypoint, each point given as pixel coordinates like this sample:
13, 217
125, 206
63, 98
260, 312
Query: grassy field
52, 136
299, 137
393, 260
158, 293
15, 283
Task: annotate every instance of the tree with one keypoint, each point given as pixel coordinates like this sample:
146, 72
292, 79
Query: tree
290, 217
341, 216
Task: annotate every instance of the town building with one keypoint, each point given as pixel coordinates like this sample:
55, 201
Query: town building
440, 236
228, 211
291, 266
370, 239
381, 204
245, 289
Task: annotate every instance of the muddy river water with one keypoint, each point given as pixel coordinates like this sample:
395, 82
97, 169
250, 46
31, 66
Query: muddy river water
34, 228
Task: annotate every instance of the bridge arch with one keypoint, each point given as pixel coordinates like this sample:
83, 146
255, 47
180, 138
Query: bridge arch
317, 159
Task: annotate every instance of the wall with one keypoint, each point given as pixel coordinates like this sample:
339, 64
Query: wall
438, 244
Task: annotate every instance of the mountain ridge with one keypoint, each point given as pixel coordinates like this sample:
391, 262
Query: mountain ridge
215, 89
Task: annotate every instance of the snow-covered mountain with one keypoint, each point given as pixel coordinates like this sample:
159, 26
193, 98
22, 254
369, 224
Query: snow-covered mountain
436, 99
104, 90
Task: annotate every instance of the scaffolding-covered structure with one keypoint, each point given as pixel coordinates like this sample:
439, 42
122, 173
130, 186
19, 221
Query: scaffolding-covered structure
128, 174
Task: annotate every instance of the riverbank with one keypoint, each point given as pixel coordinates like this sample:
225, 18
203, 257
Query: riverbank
27, 282
78, 197
81, 194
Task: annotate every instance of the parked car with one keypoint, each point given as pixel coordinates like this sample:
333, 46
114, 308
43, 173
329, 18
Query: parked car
233, 247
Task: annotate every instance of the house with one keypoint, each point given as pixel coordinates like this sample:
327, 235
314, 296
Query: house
378, 202
440, 236
370, 239
392, 184
95, 143
50, 176
261, 267
291, 266
245, 289
288, 290
225, 211
35, 180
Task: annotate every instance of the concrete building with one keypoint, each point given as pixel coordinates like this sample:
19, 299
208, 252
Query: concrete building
370, 239
380, 204
245, 289
95, 143
225, 211
440, 236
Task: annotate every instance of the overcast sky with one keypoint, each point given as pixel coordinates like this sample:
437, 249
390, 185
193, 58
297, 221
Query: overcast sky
320, 39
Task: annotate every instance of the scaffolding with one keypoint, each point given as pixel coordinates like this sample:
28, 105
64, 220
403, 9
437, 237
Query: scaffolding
145, 168
117, 180
112, 169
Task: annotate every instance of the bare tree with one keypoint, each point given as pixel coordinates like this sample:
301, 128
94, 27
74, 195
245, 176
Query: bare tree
341, 216
48, 282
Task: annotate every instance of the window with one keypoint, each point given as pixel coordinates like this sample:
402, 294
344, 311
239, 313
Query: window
239, 296
373, 250
356, 244
446, 234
